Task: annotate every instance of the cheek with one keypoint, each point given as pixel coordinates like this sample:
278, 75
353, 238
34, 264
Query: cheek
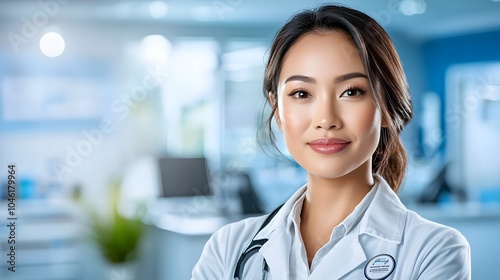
370, 122
364, 121
293, 118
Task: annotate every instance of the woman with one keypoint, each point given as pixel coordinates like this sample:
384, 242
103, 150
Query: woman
339, 96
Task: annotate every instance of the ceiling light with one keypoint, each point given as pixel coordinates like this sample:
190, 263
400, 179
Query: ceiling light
52, 44
155, 50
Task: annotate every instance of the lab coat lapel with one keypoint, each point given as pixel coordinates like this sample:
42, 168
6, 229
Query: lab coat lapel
343, 258
276, 252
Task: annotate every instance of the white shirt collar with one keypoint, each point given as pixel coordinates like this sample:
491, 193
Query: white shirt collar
293, 219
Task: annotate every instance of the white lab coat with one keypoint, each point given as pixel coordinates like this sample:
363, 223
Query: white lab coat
421, 249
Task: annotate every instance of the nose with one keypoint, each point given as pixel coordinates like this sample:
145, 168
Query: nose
326, 116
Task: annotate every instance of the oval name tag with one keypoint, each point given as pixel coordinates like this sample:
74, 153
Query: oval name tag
379, 267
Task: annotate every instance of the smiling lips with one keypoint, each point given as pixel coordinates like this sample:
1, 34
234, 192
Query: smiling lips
328, 146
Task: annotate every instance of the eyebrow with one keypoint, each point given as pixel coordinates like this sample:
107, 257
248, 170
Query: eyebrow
339, 79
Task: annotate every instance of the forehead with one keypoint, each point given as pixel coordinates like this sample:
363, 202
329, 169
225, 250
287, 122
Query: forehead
322, 53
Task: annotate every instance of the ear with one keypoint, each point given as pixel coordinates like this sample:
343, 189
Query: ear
271, 99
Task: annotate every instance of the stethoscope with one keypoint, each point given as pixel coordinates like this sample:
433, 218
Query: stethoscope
253, 248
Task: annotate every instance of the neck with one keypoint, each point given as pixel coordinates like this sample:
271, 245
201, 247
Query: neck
329, 201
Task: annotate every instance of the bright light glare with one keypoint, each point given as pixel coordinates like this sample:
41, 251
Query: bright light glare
52, 44
155, 49
158, 9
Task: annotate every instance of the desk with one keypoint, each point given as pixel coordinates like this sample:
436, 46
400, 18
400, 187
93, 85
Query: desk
177, 234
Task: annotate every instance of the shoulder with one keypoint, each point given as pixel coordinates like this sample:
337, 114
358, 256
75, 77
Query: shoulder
439, 251
238, 233
224, 247
421, 228
407, 224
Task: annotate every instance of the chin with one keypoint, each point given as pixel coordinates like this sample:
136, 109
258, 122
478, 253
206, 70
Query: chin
328, 174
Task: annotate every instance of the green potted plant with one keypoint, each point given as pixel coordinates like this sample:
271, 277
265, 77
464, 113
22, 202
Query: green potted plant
116, 235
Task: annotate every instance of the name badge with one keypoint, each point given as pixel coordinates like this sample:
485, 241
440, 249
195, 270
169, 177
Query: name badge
379, 267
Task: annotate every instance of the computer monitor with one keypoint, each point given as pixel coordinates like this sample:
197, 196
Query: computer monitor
183, 177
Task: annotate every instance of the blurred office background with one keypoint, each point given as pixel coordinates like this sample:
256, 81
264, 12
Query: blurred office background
137, 92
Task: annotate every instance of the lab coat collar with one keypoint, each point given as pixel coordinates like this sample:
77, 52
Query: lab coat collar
385, 218
280, 219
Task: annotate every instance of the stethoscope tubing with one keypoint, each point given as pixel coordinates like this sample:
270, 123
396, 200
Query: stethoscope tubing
252, 248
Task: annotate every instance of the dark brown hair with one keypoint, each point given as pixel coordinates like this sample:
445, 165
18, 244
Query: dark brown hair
383, 67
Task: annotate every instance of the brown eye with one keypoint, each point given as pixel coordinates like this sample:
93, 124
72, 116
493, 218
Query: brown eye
353, 92
299, 94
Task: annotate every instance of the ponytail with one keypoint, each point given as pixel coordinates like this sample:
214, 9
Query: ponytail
389, 160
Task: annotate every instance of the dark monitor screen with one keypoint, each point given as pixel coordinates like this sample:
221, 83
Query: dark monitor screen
184, 177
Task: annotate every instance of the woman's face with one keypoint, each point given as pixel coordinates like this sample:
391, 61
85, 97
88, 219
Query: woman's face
326, 109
